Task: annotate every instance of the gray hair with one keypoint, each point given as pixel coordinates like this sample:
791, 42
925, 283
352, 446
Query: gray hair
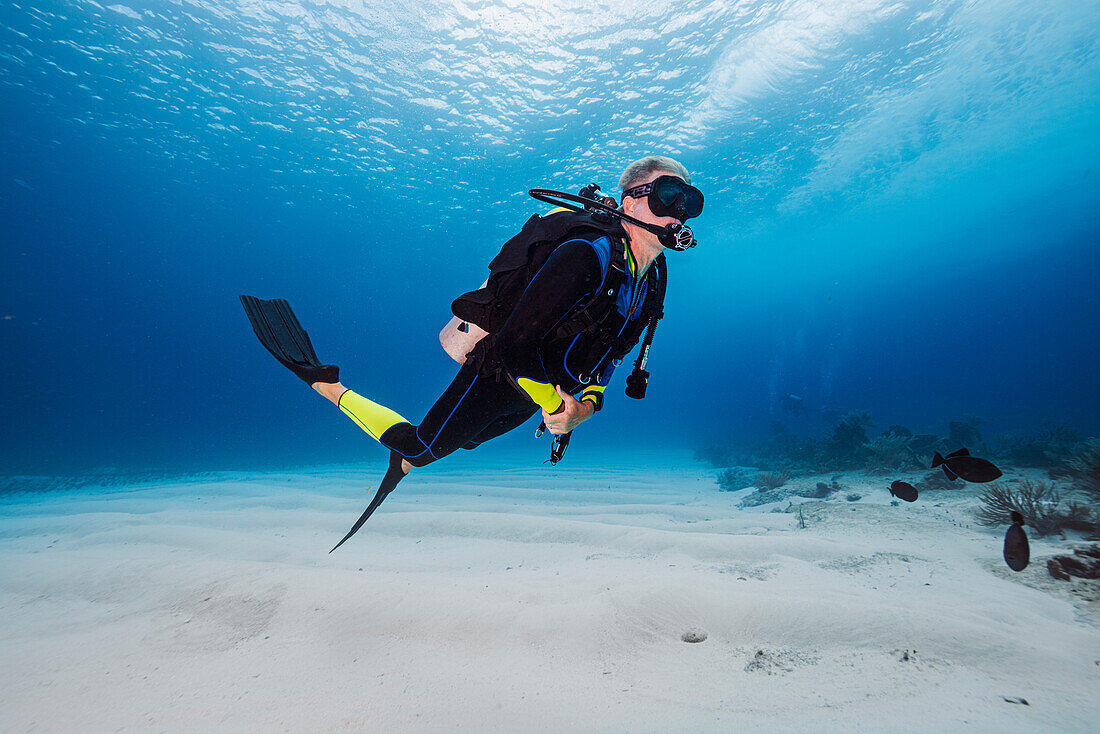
643, 168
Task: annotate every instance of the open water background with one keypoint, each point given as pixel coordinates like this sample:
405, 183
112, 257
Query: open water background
901, 218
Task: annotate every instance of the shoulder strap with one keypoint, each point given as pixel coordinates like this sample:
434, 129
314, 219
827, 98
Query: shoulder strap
659, 287
638, 380
588, 317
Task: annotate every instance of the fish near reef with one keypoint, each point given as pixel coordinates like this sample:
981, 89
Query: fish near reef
961, 464
1017, 551
904, 491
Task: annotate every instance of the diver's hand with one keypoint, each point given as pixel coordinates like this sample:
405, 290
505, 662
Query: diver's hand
570, 415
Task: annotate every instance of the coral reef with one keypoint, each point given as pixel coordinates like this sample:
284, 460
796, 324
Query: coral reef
924, 446
965, 434
846, 446
735, 478
788, 450
935, 479
1084, 564
890, 452
778, 493
822, 490
1082, 469
764, 497
771, 480
1050, 446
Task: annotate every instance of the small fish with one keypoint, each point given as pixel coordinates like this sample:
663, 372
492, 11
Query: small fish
961, 464
904, 490
1017, 552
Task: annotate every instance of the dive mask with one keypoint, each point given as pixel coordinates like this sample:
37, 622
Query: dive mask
675, 236
670, 196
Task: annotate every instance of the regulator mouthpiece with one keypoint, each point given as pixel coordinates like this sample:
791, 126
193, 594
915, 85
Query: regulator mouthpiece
677, 237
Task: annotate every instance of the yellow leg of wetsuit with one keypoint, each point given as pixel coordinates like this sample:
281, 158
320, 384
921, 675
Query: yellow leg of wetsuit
373, 418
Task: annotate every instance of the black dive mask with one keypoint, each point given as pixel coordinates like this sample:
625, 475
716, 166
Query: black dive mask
673, 236
669, 196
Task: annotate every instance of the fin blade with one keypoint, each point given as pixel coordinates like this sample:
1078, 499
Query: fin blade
387, 485
280, 332
378, 497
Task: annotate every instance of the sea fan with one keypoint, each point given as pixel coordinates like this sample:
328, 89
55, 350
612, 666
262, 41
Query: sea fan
1037, 501
771, 480
1083, 470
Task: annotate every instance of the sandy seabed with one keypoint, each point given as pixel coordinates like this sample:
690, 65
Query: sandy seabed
529, 600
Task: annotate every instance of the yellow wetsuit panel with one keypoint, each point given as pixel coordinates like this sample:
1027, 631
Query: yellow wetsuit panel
373, 418
545, 395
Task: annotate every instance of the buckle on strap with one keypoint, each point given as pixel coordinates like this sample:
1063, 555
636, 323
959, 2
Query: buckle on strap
583, 321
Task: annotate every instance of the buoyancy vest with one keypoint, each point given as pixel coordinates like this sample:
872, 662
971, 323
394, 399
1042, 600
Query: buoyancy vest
523, 255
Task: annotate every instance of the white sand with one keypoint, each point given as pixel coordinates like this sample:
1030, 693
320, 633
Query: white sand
527, 600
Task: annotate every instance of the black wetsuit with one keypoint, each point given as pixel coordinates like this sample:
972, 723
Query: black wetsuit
509, 376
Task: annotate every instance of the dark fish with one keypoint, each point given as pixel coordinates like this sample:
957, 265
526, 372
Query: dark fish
1017, 551
904, 490
961, 464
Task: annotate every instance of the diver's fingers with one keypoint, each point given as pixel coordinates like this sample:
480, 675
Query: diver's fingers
566, 398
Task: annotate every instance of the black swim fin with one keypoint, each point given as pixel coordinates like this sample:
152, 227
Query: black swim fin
279, 331
393, 475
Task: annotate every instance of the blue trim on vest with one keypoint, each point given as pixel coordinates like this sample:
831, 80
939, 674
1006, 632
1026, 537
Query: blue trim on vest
605, 377
622, 302
565, 362
602, 247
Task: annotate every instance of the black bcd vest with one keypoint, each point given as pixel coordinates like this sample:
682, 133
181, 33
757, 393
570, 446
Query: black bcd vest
523, 255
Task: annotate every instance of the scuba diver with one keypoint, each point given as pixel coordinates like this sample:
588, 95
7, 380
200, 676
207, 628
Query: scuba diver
566, 300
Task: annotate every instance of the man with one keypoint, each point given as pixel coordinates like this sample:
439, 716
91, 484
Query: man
535, 362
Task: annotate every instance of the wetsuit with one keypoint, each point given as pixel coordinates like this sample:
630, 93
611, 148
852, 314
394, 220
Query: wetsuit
508, 378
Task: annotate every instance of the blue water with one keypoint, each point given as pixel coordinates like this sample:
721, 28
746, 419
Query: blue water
901, 218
